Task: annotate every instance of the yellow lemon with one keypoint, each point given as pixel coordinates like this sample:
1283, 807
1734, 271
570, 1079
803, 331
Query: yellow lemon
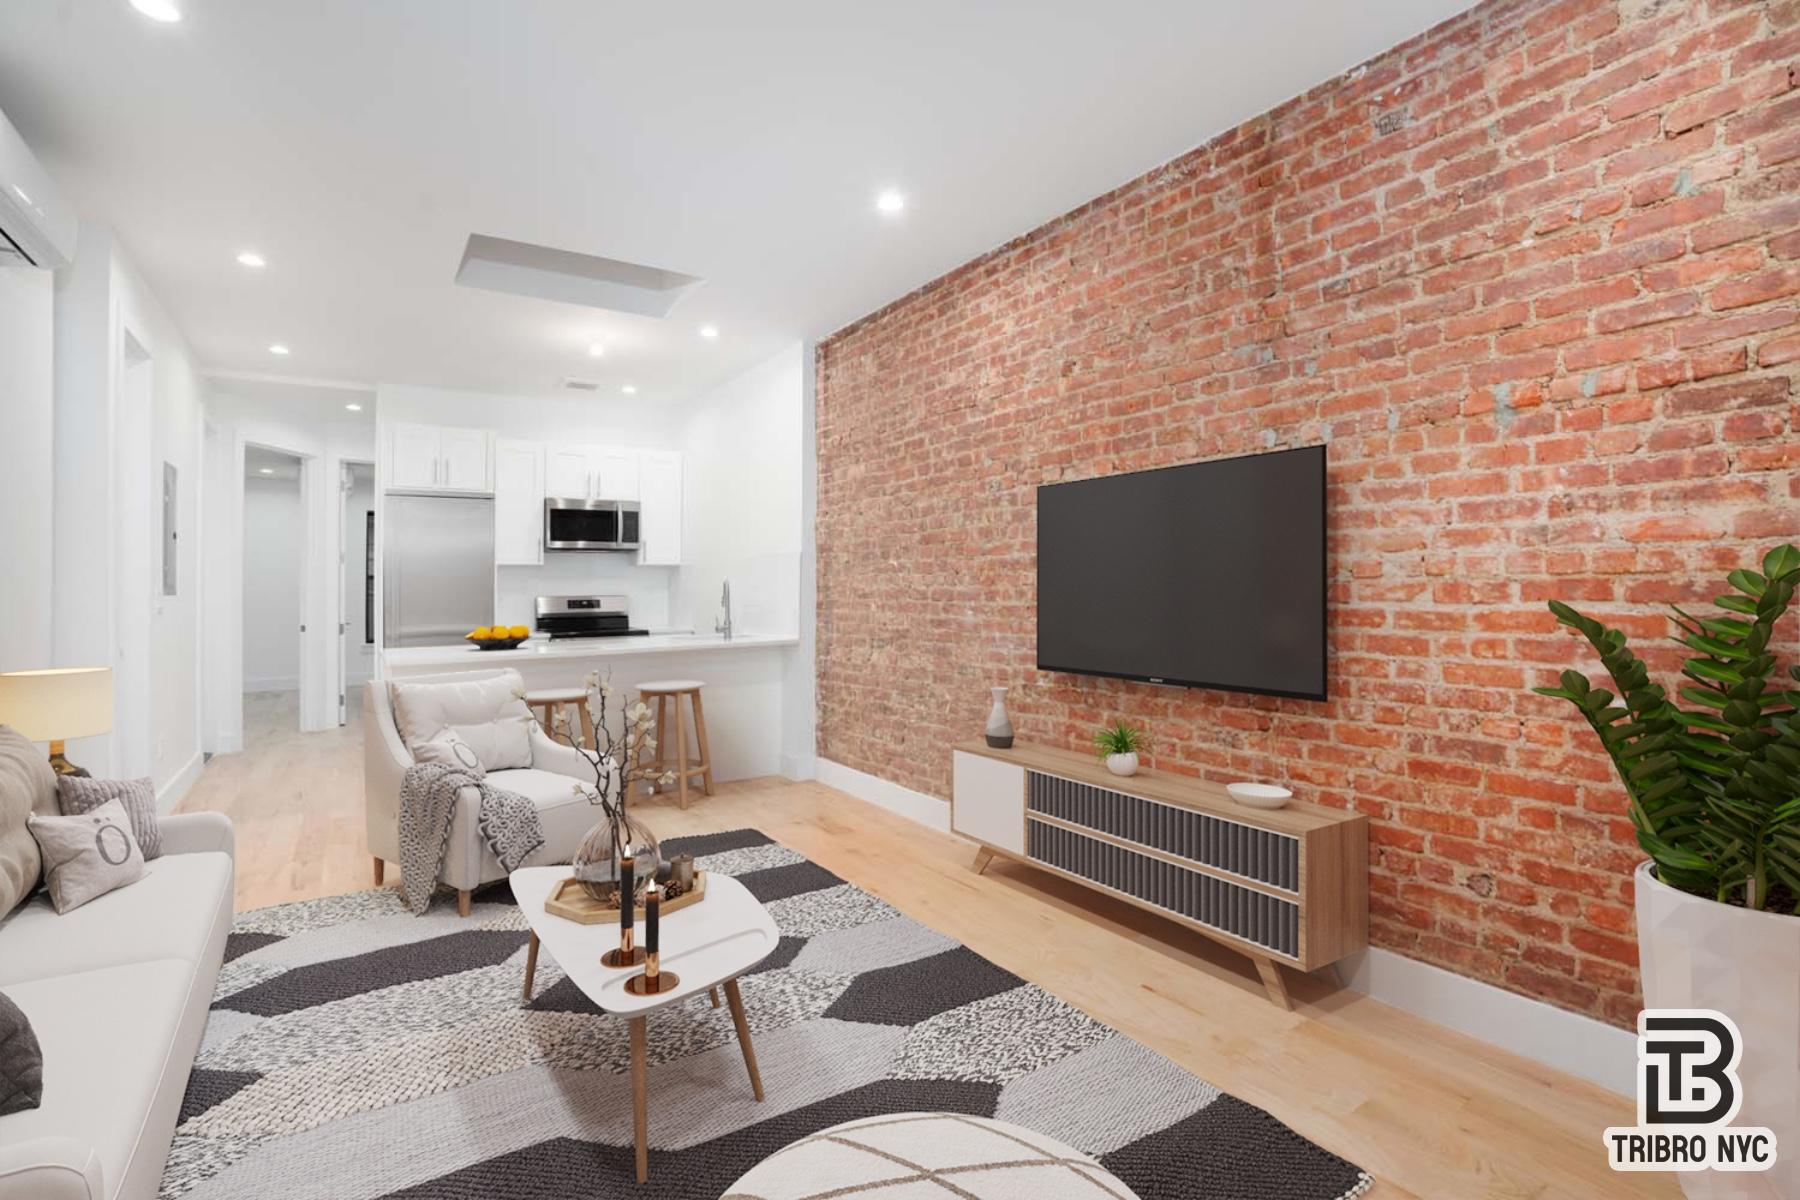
481, 635
519, 631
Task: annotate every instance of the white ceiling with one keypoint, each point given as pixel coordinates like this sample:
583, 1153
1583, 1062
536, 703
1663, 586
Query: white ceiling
263, 463
357, 145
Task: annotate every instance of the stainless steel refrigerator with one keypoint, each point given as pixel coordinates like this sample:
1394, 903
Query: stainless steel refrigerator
437, 562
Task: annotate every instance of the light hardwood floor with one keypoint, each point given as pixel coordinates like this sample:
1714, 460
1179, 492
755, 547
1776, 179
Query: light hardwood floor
1430, 1113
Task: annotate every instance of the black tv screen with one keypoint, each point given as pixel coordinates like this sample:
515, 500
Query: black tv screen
1207, 575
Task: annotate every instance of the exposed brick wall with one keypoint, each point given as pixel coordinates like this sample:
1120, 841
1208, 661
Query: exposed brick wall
1534, 276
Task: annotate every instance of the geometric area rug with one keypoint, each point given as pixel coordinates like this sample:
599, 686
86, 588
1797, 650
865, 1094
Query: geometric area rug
355, 1051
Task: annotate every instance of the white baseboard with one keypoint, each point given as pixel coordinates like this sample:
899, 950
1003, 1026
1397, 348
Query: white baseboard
1601, 1053
1582, 1046
272, 683
799, 766
170, 793
916, 806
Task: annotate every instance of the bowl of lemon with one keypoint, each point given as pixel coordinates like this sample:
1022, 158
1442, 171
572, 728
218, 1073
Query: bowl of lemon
498, 637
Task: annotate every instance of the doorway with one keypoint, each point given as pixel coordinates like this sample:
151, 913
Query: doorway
274, 583
356, 585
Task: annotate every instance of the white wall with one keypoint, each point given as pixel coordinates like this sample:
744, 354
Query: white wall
312, 423
114, 429
274, 549
741, 508
27, 303
593, 420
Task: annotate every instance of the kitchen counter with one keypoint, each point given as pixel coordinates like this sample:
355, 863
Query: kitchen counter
539, 650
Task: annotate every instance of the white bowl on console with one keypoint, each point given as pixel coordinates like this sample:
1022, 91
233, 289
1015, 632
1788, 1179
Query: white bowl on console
1259, 795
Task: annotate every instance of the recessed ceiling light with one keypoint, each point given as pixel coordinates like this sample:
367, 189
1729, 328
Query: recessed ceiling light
629, 389
890, 202
266, 470
278, 348
158, 10
596, 351
354, 407
251, 258
709, 331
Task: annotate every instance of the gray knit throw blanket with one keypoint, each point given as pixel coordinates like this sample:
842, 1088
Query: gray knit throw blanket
508, 821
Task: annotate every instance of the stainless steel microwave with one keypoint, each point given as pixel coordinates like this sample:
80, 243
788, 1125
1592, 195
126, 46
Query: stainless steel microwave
590, 524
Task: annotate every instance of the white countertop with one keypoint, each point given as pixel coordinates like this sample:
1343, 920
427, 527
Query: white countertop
542, 649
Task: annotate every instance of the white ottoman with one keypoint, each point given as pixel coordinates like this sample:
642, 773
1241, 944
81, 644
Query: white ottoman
916, 1156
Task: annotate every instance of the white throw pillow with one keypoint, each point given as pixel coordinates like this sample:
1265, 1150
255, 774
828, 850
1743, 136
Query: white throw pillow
87, 855
488, 713
449, 749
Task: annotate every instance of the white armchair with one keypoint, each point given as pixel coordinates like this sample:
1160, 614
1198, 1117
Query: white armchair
468, 863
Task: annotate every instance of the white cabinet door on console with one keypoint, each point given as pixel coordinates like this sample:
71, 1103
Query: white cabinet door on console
988, 801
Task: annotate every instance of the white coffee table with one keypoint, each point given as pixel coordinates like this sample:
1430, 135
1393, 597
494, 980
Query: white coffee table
705, 944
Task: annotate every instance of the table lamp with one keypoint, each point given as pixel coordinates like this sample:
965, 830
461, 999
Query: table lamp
57, 704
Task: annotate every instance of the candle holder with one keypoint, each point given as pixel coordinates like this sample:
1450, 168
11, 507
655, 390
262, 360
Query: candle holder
654, 981
627, 955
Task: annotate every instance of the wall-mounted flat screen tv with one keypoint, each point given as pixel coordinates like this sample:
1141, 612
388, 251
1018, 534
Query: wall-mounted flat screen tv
1206, 575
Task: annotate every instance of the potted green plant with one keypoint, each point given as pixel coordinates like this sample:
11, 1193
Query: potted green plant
1714, 788
1118, 745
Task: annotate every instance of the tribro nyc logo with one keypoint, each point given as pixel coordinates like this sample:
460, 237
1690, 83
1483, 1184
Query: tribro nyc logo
1688, 1093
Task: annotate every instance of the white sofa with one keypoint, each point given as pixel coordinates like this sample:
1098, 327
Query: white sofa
117, 993
468, 863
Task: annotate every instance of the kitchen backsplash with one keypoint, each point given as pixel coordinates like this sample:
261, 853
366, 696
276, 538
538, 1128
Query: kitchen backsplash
582, 574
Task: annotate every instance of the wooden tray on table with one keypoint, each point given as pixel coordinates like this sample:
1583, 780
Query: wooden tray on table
569, 900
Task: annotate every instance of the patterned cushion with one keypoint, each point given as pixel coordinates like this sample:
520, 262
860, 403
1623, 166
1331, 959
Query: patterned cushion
27, 785
448, 749
916, 1156
77, 795
88, 855
21, 1061
487, 712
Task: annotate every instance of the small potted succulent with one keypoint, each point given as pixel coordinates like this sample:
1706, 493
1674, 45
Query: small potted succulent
1118, 744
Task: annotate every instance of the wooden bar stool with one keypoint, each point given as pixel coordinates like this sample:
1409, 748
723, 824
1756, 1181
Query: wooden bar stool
663, 692
545, 704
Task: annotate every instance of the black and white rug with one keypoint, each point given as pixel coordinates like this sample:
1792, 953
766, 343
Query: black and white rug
355, 1051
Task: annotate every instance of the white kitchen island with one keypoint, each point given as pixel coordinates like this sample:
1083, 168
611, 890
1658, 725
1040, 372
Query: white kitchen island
744, 679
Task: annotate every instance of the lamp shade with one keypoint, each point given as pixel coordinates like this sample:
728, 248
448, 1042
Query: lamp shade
59, 703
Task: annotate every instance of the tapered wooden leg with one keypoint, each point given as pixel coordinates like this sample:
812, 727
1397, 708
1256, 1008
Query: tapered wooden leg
681, 774
380, 871
640, 1115
714, 993
463, 902
705, 751
530, 963
588, 737
654, 783
734, 998
1273, 983
983, 857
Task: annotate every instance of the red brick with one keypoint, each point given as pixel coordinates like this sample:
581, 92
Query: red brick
1549, 329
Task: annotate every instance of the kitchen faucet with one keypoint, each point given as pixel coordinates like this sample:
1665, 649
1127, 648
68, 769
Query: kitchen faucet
722, 625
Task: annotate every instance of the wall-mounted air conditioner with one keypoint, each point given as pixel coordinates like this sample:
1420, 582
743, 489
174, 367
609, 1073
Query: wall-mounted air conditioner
35, 223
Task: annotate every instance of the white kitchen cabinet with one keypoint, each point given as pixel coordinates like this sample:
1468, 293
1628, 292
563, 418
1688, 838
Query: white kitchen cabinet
592, 473
659, 508
518, 503
567, 475
412, 456
465, 455
616, 475
437, 458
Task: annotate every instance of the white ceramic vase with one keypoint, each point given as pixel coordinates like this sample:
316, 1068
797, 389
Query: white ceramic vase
1698, 953
999, 726
1122, 764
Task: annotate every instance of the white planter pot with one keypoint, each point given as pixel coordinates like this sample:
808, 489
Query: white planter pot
1698, 953
1122, 764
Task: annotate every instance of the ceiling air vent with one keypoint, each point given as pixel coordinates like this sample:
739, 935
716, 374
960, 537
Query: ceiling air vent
522, 269
572, 384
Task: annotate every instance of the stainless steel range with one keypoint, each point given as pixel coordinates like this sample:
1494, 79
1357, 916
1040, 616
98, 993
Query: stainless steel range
585, 616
